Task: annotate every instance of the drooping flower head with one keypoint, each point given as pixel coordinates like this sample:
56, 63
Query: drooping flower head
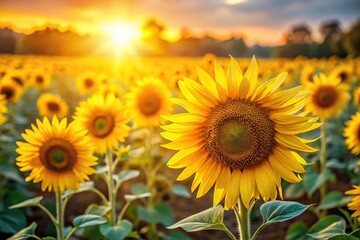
105, 119
148, 101
3, 109
328, 97
50, 105
57, 154
354, 204
237, 135
352, 134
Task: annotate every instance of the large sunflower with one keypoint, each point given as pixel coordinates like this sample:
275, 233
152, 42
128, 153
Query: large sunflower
328, 97
238, 135
148, 101
105, 119
50, 105
3, 109
355, 201
58, 155
352, 134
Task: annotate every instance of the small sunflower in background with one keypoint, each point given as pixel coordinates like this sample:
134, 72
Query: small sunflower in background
58, 155
18, 77
40, 79
105, 119
356, 97
87, 83
328, 97
343, 72
148, 101
237, 135
307, 75
354, 203
3, 109
50, 105
11, 90
352, 133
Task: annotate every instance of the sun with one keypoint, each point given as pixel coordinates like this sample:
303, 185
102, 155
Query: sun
120, 34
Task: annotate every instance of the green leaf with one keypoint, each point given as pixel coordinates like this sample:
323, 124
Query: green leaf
281, 211
334, 199
160, 213
129, 197
101, 169
48, 238
12, 221
327, 227
86, 186
133, 235
294, 191
24, 233
356, 233
175, 236
88, 220
343, 237
181, 191
95, 209
125, 175
117, 232
210, 219
10, 172
297, 231
27, 203
313, 181
139, 188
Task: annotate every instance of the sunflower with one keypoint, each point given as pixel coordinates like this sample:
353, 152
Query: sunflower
355, 201
11, 90
3, 109
87, 83
237, 135
343, 72
352, 134
57, 154
328, 97
40, 80
50, 105
148, 100
307, 75
17, 76
105, 120
357, 97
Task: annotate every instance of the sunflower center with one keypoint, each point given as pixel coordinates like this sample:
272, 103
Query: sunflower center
89, 82
102, 125
17, 80
39, 79
239, 134
8, 92
326, 96
149, 104
58, 155
53, 107
343, 76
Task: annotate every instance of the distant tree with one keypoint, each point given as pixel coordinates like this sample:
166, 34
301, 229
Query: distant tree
299, 34
236, 47
352, 40
152, 29
333, 36
331, 30
7, 41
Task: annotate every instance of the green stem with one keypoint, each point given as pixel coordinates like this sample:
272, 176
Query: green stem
59, 216
110, 183
243, 219
71, 233
52, 218
323, 157
103, 198
123, 210
262, 226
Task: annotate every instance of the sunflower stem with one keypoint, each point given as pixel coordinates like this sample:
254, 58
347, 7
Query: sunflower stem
323, 157
59, 216
243, 219
111, 191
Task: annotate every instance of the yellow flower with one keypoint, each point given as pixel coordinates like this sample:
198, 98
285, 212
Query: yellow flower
343, 72
11, 90
351, 134
355, 201
58, 155
357, 97
87, 83
148, 101
307, 75
3, 109
50, 105
328, 97
105, 119
40, 80
237, 135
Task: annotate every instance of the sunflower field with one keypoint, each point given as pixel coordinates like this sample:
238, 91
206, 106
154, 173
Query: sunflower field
179, 148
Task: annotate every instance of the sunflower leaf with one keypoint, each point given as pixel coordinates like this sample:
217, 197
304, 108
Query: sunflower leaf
86, 186
24, 233
327, 227
334, 199
118, 232
27, 203
125, 175
210, 219
88, 220
281, 211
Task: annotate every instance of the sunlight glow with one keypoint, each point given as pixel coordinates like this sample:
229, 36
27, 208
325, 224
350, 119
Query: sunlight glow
233, 2
120, 33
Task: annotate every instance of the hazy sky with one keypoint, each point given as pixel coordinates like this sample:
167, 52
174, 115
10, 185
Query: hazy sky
261, 21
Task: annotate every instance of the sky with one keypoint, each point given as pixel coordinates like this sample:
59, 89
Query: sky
259, 21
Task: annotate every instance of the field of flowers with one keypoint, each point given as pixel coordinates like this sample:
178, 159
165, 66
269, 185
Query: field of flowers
179, 148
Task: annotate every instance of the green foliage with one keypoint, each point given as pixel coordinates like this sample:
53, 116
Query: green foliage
334, 199
160, 213
181, 191
88, 220
327, 227
117, 232
28, 203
